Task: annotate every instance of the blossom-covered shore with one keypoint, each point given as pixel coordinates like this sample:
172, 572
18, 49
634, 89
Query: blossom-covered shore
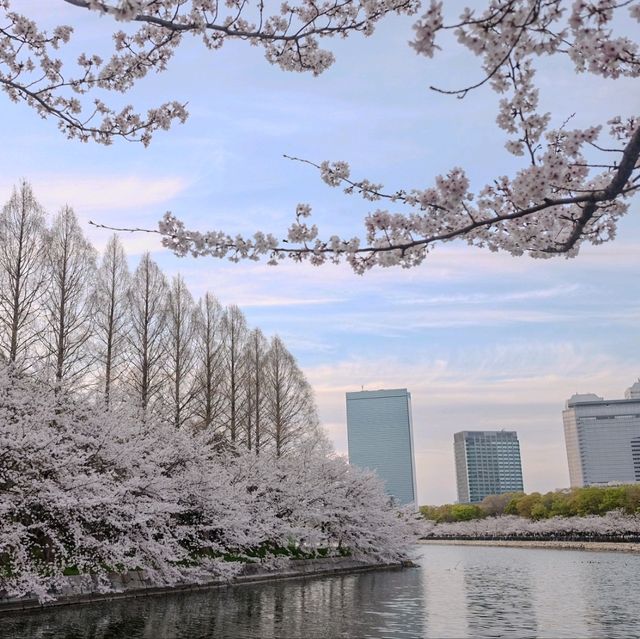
614, 526
90, 490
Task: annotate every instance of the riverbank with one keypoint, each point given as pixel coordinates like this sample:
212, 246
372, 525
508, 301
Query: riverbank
599, 546
79, 589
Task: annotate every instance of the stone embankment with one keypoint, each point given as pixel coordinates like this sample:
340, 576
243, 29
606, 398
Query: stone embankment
83, 589
600, 546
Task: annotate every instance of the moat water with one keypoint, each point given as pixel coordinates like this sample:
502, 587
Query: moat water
456, 591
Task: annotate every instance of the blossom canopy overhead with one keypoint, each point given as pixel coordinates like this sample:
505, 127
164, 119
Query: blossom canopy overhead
571, 185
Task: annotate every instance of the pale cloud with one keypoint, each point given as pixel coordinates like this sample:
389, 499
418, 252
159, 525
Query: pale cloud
396, 322
264, 300
448, 264
516, 373
305, 345
112, 193
562, 290
135, 244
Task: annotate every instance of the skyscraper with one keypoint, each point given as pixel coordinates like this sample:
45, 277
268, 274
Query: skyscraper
380, 435
487, 463
603, 438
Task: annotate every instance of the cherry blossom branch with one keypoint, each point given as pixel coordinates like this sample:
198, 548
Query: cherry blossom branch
330, 11
521, 29
551, 225
126, 124
31, 72
333, 174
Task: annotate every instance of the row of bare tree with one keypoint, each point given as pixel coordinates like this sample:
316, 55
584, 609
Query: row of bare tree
98, 329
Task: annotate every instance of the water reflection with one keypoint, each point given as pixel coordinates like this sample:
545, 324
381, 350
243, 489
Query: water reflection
457, 592
499, 596
445, 598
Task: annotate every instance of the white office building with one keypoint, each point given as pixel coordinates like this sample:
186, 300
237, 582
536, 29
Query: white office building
603, 438
380, 436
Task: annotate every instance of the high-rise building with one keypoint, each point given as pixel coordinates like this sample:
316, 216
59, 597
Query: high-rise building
380, 435
487, 463
603, 438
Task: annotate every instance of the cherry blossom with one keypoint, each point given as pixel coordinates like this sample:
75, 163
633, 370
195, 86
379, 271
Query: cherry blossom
571, 185
103, 490
32, 73
615, 525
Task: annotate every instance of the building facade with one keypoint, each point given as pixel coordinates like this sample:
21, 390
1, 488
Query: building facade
602, 437
380, 437
487, 463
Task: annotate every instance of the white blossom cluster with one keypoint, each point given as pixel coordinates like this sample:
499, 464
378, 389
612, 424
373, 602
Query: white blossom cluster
571, 188
103, 490
560, 197
31, 72
612, 524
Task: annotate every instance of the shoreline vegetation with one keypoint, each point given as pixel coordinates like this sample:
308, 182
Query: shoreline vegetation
569, 502
590, 518
594, 514
90, 491
615, 527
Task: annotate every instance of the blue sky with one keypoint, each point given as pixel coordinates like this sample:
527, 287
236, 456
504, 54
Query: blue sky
481, 340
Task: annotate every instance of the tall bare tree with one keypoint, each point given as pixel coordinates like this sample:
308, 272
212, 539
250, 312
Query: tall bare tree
290, 406
68, 303
183, 318
146, 337
22, 243
234, 327
111, 315
255, 356
209, 401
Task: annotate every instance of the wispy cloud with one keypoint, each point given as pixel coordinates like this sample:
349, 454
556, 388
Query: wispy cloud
89, 193
263, 301
562, 290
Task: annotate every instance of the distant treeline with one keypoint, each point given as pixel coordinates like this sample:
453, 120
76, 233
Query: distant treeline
561, 503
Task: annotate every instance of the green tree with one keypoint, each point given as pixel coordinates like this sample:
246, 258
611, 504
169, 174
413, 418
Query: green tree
632, 498
560, 504
613, 498
587, 501
539, 511
526, 504
512, 507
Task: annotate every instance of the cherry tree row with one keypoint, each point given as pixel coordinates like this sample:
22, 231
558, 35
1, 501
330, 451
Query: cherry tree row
615, 524
93, 490
95, 328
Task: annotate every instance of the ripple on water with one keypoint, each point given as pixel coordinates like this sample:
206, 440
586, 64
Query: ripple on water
457, 591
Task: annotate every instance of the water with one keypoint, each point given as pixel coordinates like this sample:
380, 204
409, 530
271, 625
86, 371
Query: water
458, 591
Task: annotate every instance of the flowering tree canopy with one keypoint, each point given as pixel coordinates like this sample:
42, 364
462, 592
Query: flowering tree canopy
572, 185
101, 489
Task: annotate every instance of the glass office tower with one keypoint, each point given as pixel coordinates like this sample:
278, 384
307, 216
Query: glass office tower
487, 463
380, 435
